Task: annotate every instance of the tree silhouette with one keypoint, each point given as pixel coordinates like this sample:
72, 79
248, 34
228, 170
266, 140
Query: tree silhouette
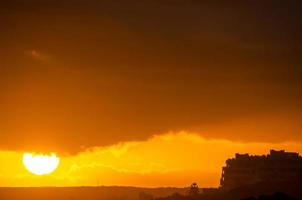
194, 190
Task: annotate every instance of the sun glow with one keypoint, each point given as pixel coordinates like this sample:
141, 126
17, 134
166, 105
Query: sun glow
40, 164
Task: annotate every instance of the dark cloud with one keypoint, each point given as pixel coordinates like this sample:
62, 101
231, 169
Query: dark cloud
126, 70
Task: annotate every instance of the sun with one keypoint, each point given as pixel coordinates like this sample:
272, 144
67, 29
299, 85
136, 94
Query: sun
40, 164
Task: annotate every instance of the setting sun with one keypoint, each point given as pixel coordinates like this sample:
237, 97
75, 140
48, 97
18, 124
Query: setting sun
40, 164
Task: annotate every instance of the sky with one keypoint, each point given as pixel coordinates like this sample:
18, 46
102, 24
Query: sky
105, 83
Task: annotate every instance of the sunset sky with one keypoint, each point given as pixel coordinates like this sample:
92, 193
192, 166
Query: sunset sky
146, 93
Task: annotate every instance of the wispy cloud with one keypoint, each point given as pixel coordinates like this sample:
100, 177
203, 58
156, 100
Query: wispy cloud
37, 55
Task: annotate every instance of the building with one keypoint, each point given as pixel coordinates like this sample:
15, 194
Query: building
277, 167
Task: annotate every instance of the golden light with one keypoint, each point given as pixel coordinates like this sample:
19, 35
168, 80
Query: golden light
40, 164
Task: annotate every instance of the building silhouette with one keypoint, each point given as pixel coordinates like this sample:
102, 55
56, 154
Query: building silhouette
276, 167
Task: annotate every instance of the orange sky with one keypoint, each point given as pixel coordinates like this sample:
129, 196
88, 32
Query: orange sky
173, 159
102, 83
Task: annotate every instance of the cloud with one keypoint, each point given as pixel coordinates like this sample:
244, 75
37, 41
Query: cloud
118, 77
37, 55
174, 159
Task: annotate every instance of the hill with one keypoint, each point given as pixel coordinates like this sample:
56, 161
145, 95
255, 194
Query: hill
87, 193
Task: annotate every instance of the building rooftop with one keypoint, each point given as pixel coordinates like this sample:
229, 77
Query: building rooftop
277, 166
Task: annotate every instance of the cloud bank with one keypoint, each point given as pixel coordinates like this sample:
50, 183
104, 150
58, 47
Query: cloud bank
174, 159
